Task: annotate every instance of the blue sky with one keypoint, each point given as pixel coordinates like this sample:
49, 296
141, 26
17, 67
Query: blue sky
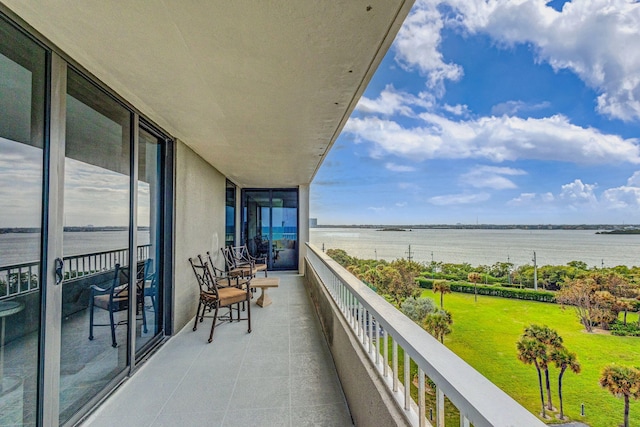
500, 112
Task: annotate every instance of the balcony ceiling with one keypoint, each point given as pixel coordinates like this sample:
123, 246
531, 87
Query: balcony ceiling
260, 89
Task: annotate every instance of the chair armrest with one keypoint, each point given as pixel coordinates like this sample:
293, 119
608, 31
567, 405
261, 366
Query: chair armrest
98, 289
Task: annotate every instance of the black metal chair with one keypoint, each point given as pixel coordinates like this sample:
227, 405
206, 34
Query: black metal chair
240, 261
115, 298
217, 291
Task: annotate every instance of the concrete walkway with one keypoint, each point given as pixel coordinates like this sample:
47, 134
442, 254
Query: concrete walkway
281, 374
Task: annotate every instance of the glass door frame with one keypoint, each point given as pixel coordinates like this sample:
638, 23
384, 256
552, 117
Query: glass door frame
53, 226
164, 268
245, 225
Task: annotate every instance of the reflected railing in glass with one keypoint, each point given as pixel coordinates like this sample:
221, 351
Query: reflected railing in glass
20, 279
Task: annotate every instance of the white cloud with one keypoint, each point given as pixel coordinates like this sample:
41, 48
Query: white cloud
401, 204
634, 180
531, 199
458, 110
417, 44
512, 108
399, 168
522, 199
595, 39
459, 199
491, 177
578, 192
547, 197
494, 138
621, 197
392, 102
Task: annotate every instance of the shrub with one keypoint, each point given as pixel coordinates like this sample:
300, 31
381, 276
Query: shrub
628, 330
496, 291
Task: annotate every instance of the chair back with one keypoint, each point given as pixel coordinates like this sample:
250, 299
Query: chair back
205, 280
119, 291
215, 272
229, 258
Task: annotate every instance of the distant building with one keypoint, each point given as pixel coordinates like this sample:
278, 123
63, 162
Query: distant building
313, 222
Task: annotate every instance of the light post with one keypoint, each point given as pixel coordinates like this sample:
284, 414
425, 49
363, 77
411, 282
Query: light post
535, 272
432, 266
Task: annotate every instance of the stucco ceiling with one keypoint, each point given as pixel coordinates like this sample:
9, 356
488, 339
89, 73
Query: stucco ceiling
259, 89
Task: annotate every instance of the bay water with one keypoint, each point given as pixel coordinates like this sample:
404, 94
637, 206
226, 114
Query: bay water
484, 246
18, 248
476, 247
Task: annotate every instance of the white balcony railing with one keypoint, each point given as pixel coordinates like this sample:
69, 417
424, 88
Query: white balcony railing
374, 322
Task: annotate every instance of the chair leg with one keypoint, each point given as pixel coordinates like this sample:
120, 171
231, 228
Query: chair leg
144, 316
91, 319
213, 326
249, 316
195, 324
114, 344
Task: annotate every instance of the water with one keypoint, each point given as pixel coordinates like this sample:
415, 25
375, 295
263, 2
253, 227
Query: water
18, 248
477, 247
484, 247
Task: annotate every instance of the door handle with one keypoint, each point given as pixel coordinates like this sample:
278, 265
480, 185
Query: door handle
59, 268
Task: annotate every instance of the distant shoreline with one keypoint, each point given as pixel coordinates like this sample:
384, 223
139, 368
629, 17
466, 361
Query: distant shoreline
629, 231
67, 229
619, 229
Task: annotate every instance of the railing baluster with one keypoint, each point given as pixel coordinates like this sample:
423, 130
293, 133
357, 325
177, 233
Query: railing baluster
407, 381
395, 366
440, 407
422, 410
370, 333
363, 324
385, 367
377, 327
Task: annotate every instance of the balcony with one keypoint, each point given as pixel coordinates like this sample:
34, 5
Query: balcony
316, 355
280, 374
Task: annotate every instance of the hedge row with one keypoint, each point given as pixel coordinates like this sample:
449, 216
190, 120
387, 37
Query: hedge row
495, 291
628, 330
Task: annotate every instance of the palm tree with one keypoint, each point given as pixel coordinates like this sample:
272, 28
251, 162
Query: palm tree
528, 353
474, 277
438, 324
444, 288
564, 359
550, 340
622, 381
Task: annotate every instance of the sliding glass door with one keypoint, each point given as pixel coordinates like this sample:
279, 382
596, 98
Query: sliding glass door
85, 236
270, 226
149, 324
96, 240
22, 126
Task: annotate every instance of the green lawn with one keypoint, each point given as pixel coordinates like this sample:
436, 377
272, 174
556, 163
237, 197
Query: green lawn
485, 335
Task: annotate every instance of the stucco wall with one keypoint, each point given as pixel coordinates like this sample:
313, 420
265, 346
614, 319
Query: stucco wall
199, 226
369, 400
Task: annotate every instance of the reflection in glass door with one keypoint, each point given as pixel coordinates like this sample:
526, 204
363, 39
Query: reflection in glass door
270, 226
95, 294
22, 101
149, 295
284, 229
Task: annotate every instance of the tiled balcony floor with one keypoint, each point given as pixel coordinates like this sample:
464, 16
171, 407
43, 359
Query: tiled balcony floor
281, 374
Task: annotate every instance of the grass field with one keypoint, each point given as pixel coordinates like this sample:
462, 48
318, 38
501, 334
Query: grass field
485, 335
